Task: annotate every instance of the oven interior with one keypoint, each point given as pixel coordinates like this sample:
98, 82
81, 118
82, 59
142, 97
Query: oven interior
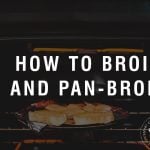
124, 131
24, 29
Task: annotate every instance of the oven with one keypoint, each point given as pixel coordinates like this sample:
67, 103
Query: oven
73, 29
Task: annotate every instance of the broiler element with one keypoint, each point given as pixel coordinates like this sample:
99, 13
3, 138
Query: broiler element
120, 50
105, 50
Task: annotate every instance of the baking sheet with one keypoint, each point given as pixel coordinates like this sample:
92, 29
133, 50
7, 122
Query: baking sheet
22, 116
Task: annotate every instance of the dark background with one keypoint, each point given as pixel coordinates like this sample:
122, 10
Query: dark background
96, 24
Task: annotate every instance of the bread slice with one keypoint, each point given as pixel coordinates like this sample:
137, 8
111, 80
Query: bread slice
73, 109
89, 107
55, 107
88, 118
47, 117
96, 107
102, 108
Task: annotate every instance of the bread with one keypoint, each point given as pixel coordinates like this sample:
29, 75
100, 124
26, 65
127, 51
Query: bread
56, 107
73, 114
47, 117
102, 108
89, 107
96, 108
73, 109
93, 118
